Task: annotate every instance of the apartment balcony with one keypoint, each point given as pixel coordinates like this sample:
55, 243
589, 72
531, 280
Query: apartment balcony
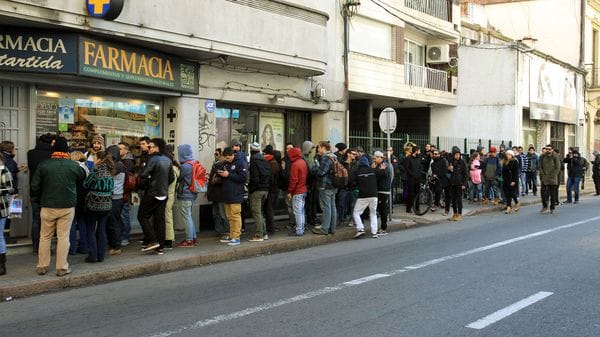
441, 9
387, 81
423, 77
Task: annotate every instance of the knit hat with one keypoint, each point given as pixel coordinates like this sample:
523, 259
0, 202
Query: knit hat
98, 138
236, 142
269, 150
455, 149
341, 146
378, 154
255, 147
493, 149
60, 145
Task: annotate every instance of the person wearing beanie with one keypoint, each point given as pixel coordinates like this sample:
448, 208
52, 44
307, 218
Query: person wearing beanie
341, 151
55, 185
412, 167
41, 152
259, 184
575, 170
97, 145
312, 197
269, 150
366, 182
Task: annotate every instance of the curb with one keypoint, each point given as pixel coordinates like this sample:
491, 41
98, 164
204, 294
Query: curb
50, 284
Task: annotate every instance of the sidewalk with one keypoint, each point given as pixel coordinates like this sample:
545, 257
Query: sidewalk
21, 279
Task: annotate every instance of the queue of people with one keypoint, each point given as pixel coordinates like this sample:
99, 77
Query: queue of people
84, 198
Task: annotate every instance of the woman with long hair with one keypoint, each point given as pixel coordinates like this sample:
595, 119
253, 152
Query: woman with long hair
510, 177
98, 202
267, 137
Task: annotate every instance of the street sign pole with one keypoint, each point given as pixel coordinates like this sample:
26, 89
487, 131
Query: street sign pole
387, 124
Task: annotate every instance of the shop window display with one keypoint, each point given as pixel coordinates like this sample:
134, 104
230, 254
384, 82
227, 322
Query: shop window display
79, 117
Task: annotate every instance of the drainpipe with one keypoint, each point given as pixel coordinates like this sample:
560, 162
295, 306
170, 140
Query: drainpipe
346, 82
583, 137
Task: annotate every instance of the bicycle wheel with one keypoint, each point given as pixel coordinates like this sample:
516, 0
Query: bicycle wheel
423, 201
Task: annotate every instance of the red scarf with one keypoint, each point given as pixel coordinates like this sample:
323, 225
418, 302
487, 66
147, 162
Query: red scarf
60, 155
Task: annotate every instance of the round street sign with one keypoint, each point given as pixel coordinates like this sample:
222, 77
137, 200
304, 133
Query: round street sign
387, 120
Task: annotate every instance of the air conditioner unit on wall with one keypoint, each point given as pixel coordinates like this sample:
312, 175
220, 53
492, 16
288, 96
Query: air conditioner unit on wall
438, 53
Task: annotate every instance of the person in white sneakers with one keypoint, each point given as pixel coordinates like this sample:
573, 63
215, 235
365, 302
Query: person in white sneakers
364, 177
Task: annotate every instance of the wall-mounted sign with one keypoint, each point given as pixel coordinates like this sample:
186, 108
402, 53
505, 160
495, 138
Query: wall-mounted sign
134, 65
33, 51
105, 9
553, 92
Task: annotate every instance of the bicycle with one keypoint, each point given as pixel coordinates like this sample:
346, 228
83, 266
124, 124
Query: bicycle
424, 199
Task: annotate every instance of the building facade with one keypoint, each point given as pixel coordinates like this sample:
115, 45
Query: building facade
261, 70
401, 55
511, 90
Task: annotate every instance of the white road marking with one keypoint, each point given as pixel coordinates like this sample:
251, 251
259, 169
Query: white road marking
348, 284
366, 279
511, 309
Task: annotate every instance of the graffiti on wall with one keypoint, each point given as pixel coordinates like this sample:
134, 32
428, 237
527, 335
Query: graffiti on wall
206, 130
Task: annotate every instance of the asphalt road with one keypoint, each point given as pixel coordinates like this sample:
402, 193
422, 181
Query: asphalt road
523, 274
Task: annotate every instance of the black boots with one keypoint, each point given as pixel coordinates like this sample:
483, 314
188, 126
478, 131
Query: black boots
2, 264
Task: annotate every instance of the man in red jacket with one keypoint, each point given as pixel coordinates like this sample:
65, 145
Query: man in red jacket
297, 188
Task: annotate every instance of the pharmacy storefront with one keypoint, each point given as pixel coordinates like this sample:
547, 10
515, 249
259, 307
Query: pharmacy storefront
78, 86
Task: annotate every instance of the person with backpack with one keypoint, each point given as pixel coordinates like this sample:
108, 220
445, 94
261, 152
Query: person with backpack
345, 199
214, 193
182, 209
490, 171
323, 170
261, 176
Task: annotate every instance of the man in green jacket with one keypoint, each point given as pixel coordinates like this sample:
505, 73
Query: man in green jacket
55, 185
549, 166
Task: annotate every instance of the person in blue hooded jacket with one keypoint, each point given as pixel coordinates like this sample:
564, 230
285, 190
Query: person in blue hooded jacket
185, 197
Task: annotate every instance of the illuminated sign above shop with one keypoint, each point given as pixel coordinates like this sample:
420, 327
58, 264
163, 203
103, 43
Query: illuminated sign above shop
120, 63
65, 53
105, 9
34, 51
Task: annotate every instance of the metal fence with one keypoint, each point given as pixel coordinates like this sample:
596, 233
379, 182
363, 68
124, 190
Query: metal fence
437, 8
424, 77
379, 141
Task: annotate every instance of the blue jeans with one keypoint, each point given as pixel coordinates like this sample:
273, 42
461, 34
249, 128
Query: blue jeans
126, 221
491, 190
343, 204
220, 218
35, 222
298, 206
115, 224
2, 240
182, 211
573, 183
476, 191
78, 224
327, 202
96, 227
523, 179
